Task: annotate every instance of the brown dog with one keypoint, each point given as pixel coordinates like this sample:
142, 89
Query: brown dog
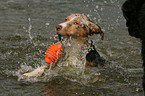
76, 29
79, 27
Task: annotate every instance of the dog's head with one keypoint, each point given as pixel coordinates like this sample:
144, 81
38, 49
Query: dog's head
78, 25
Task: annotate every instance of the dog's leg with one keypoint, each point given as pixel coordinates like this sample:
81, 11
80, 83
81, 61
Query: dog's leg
37, 72
93, 57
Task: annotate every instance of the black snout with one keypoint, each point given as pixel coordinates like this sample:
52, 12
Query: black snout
58, 27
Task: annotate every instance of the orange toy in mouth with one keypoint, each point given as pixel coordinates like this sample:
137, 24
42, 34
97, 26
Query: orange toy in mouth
53, 53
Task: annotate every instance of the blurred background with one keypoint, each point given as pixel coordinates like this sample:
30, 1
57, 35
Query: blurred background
27, 28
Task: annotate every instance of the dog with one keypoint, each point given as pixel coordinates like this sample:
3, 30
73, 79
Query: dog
134, 13
76, 30
79, 28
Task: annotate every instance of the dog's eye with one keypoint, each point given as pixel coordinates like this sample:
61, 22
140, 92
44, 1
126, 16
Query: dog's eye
76, 23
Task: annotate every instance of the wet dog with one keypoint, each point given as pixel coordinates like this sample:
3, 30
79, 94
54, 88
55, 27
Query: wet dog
79, 28
76, 30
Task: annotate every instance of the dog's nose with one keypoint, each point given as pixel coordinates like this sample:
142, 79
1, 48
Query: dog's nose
58, 27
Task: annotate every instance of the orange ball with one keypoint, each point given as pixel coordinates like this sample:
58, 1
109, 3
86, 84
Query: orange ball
53, 53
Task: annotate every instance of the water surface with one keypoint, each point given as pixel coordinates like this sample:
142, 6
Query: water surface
27, 29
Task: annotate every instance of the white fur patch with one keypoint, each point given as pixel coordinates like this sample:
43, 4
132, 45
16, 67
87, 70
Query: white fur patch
65, 23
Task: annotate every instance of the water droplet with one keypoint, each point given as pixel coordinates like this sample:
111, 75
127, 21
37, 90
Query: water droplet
47, 24
97, 6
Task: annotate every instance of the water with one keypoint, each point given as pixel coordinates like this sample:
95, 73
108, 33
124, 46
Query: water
27, 29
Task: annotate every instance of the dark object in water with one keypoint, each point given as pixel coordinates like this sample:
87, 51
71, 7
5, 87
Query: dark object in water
134, 13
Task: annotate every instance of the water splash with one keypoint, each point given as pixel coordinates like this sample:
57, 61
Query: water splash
64, 68
29, 31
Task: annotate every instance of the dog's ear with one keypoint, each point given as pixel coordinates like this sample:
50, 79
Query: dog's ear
95, 29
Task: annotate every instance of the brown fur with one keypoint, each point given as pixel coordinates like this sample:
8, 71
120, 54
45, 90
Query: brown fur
78, 25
